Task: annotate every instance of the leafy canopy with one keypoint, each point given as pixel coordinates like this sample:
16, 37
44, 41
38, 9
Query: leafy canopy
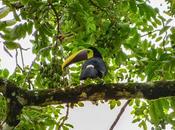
136, 41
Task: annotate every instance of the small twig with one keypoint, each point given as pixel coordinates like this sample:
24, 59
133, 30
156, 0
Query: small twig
25, 49
59, 38
57, 22
65, 118
31, 86
16, 59
22, 58
56, 15
119, 115
6, 50
150, 33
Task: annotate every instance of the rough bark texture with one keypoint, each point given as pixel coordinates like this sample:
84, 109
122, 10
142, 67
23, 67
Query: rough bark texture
91, 92
17, 97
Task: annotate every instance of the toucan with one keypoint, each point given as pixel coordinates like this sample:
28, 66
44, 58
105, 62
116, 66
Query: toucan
93, 67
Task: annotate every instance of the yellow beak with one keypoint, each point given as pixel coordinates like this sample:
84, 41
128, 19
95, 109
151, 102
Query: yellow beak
78, 56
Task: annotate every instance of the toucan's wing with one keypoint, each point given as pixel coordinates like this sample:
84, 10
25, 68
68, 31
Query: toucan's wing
101, 66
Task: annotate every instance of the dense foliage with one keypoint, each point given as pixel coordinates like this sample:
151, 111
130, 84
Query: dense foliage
136, 40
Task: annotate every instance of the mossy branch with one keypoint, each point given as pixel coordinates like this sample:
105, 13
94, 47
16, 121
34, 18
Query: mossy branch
92, 92
19, 97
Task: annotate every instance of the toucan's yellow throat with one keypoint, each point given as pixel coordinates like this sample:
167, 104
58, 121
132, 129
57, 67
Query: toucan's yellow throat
78, 56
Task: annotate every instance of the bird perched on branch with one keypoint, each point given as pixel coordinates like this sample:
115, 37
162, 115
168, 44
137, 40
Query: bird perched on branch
93, 67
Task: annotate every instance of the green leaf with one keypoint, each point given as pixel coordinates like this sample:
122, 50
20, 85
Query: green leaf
102, 3
10, 22
69, 125
154, 113
157, 21
137, 102
113, 103
136, 120
133, 6
80, 104
143, 124
45, 29
164, 29
6, 23
4, 11
5, 73
118, 102
65, 128
2, 25
12, 45
158, 39
168, 21
153, 36
154, 24
24, 1
29, 27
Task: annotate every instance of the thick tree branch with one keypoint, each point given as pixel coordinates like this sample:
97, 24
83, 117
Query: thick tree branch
92, 92
18, 97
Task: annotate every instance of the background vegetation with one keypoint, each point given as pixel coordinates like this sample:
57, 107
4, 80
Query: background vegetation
135, 39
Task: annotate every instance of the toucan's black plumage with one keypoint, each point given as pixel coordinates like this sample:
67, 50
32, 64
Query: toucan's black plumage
94, 65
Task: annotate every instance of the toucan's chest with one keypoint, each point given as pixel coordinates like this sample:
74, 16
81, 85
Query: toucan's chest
93, 68
93, 62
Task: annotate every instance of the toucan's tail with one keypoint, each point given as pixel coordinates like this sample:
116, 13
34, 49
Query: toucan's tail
89, 72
